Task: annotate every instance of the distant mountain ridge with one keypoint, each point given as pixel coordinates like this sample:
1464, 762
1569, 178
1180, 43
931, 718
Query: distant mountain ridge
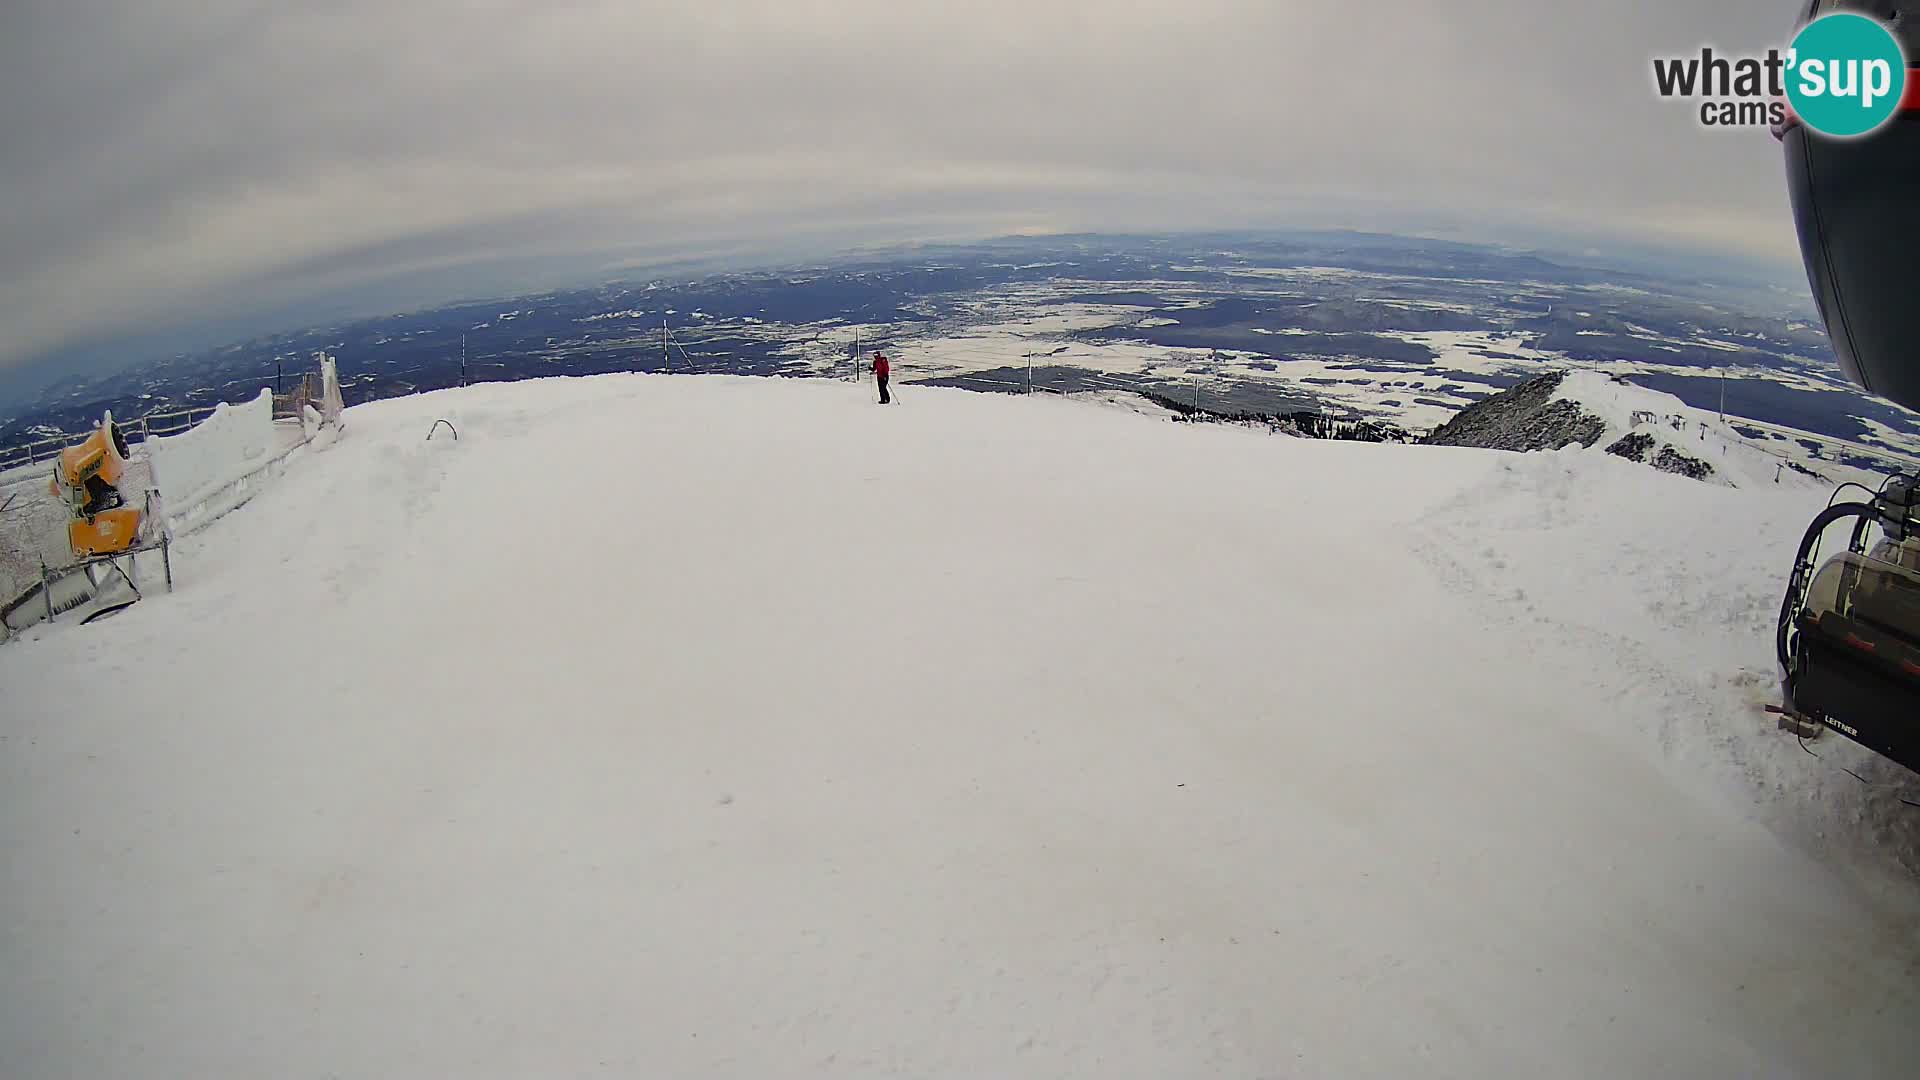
1590, 409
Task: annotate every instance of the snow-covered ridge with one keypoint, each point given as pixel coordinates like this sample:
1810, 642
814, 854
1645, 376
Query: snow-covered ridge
1611, 414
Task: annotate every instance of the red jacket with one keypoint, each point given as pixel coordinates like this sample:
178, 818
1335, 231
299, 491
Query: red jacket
880, 366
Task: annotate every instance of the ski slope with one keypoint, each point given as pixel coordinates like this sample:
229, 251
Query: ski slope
728, 727
1737, 459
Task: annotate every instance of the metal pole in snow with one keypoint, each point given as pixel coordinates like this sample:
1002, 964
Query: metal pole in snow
1029, 371
1723, 396
463, 359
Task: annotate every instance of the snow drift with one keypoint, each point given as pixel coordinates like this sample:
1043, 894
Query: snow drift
715, 726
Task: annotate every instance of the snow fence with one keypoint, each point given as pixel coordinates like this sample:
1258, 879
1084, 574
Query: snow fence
218, 454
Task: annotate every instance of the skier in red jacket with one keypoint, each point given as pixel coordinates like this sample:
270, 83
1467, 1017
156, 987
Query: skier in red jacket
881, 369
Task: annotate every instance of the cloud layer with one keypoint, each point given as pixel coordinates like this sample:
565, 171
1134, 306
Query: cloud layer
179, 162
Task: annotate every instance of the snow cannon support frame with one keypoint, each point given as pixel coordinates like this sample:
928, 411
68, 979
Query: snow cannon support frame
1848, 638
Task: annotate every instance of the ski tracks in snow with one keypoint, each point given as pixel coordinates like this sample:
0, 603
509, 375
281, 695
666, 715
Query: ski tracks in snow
1560, 557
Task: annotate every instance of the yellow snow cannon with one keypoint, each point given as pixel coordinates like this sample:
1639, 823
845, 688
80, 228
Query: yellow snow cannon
87, 478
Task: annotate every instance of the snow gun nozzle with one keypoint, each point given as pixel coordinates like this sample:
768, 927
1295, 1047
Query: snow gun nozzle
1899, 507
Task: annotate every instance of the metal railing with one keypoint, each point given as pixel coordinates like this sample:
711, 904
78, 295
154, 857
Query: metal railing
160, 423
171, 422
28, 453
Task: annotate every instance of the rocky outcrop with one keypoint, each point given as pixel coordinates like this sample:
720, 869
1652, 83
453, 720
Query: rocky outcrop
1523, 418
1532, 416
1633, 447
1673, 461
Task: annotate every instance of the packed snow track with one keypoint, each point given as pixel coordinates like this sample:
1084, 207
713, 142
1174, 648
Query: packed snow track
732, 727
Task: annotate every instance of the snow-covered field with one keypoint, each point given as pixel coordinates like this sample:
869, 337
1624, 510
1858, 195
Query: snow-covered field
994, 329
712, 726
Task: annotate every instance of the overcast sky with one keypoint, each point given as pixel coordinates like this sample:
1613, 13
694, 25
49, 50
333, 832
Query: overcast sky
164, 163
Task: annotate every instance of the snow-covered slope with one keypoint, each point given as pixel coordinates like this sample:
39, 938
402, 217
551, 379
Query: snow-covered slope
709, 726
1608, 413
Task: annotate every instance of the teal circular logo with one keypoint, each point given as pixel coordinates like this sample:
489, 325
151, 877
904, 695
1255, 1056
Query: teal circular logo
1846, 74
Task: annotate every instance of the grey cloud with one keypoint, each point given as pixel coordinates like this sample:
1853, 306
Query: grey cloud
171, 162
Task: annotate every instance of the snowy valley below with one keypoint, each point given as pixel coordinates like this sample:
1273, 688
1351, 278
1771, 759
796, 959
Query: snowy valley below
715, 726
